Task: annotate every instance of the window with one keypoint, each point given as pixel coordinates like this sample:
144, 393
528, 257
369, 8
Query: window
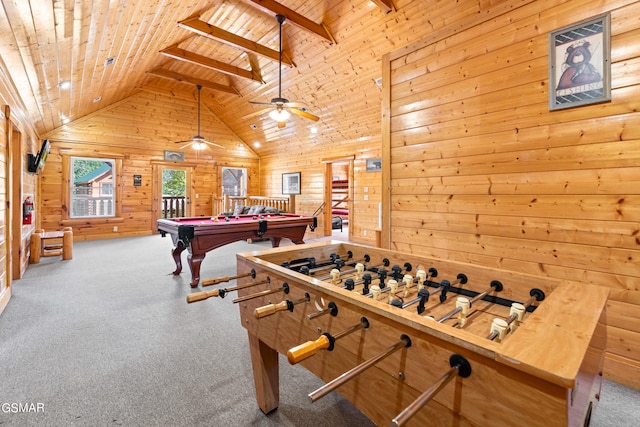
92, 183
234, 181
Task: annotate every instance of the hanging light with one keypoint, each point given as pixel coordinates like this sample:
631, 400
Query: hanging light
279, 115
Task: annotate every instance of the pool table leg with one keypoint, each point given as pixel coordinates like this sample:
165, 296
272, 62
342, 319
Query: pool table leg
275, 241
176, 254
194, 264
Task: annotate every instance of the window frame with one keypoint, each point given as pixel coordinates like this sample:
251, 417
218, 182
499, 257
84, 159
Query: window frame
67, 185
246, 180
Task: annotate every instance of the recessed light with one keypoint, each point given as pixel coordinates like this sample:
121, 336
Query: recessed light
256, 144
97, 99
314, 129
65, 84
110, 61
254, 126
65, 119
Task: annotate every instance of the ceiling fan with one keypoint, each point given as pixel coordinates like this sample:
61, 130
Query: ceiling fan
198, 141
283, 107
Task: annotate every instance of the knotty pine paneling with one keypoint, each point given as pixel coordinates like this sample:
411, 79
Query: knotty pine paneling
137, 131
481, 171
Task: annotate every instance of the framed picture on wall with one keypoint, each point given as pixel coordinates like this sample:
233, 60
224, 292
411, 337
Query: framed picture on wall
374, 165
291, 183
580, 64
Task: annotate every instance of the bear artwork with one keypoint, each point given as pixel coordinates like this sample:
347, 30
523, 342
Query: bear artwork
578, 70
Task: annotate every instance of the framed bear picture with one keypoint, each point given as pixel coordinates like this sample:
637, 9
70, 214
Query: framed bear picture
580, 64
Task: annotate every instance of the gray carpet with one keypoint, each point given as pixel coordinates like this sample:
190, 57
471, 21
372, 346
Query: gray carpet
108, 339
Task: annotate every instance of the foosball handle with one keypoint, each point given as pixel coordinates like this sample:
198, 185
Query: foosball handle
303, 351
269, 309
215, 281
201, 296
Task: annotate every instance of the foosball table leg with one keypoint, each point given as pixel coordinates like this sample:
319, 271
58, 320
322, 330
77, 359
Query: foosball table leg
266, 375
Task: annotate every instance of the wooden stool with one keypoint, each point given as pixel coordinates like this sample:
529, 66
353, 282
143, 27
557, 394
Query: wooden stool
48, 244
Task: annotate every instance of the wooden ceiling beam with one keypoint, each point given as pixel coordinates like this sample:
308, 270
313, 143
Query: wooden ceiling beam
172, 75
194, 58
387, 6
275, 8
202, 28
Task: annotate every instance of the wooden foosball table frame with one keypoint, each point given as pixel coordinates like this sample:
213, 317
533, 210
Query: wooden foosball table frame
545, 373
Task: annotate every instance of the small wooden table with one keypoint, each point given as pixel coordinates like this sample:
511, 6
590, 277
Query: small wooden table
44, 244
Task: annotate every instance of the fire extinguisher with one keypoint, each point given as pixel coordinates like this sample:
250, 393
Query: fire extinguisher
27, 211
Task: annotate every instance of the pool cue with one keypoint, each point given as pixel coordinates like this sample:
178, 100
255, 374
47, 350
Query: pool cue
201, 296
405, 341
215, 281
495, 286
459, 366
326, 341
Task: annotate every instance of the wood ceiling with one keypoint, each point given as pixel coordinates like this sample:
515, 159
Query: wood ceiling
109, 50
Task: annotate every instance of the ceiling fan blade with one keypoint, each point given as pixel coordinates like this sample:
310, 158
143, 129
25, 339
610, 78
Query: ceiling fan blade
295, 105
182, 142
304, 114
260, 103
281, 125
185, 145
256, 113
212, 143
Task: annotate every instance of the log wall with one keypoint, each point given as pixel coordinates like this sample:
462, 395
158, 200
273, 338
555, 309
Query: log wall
17, 139
479, 170
136, 132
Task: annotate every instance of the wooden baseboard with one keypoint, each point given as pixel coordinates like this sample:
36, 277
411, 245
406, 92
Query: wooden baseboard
622, 370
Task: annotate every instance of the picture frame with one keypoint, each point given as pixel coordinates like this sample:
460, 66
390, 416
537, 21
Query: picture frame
580, 63
374, 165
174, 156
291, 183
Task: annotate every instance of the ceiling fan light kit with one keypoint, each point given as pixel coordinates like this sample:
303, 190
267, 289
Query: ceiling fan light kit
283, 108
198, 142
279, 115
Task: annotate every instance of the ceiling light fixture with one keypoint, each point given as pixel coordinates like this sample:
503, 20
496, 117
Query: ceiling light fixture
279, 115
65, 84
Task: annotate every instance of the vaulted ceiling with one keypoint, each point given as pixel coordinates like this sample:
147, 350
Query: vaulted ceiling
109, 50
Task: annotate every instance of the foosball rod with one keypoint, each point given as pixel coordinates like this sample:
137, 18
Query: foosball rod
459, 366
325, 341
216, 280
495, 286
284, 288
359, 266
269, 309
312, 260
405, 341
518, 312
424, 293
201, 296
332, 309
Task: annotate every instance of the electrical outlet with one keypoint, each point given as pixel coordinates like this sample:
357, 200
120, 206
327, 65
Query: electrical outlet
364, 232
366, 197
115, 228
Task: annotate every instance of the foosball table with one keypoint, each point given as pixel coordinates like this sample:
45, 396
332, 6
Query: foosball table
412, 340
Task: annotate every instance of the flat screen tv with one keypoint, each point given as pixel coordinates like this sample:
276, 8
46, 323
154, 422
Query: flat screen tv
36, 163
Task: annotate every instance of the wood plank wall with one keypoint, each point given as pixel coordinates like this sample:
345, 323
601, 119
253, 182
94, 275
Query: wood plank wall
136, 132
481, 171
17, 139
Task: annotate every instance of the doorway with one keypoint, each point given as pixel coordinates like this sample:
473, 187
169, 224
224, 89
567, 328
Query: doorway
173, 191
338, 198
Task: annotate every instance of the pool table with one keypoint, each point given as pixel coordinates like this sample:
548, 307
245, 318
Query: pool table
200, 235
